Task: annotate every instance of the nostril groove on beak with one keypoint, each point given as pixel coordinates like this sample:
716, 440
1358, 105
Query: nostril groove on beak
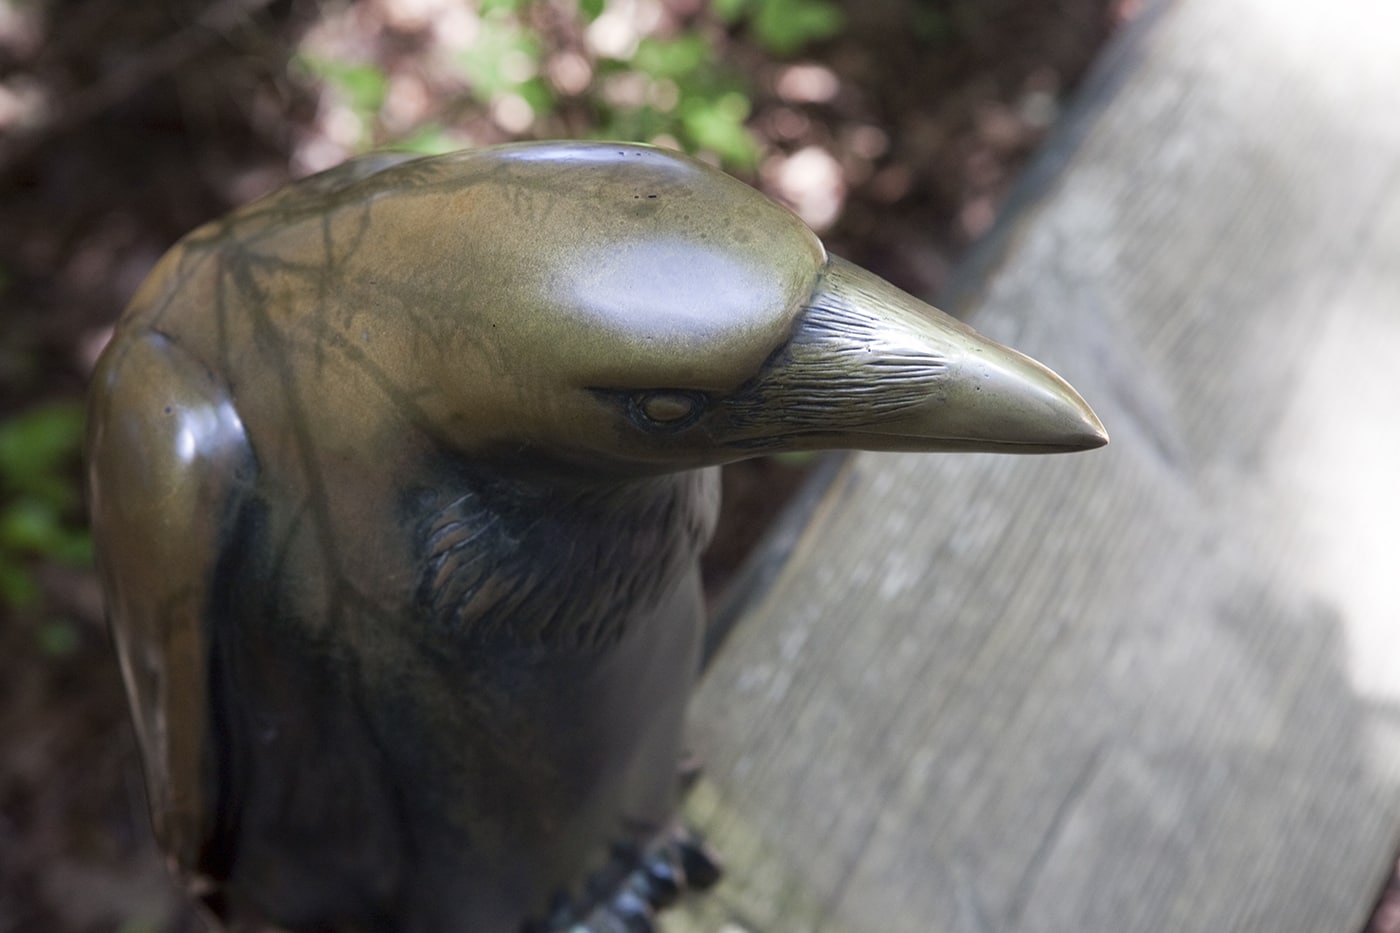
837, 372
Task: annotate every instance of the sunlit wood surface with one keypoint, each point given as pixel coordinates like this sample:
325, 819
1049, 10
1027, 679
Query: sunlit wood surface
1154, 687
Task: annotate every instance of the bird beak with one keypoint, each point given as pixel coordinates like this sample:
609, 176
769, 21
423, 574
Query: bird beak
872, 367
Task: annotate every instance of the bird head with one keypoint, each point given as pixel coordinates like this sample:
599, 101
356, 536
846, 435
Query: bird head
634, 310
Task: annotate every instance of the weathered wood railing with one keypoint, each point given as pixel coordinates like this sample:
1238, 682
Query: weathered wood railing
1155, 687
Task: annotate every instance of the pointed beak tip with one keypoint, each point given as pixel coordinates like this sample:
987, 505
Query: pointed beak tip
1092, 440
1093, 435
1075, 427
1031, 409
1100, 438
1079, 439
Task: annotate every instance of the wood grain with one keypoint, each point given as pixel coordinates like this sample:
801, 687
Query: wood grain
1154, 687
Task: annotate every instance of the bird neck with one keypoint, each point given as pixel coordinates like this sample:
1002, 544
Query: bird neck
512, 564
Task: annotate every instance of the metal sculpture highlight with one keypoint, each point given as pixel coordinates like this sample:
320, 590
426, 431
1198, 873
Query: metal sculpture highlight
399, 479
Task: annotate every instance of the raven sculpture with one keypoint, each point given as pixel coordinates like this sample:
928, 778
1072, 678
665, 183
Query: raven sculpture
399, 479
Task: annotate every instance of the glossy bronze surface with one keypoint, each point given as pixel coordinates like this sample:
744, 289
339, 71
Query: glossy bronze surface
398, 482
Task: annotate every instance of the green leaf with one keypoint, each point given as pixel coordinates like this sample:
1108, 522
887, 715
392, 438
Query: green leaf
362, 85
74, 548
633, 123
785, 26
493, 64
37, 444
30, 526
429, 139
718, 125
17, 588
672, 58
538, 94
729, 11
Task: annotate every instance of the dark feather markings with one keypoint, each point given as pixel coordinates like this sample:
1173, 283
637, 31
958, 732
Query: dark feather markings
556, 569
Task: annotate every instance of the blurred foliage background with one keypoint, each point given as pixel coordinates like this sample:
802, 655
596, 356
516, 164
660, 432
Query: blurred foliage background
893, 127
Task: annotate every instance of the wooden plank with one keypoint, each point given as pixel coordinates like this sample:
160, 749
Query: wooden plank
1152, 688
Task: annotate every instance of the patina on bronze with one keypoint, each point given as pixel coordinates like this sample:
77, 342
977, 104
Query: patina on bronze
399, 478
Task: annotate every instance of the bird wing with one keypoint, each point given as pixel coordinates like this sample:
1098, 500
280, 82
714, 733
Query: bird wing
168, 462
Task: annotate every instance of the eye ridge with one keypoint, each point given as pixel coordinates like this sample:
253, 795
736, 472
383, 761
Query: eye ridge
665, 410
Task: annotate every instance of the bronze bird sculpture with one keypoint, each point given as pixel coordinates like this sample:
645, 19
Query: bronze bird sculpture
399, 478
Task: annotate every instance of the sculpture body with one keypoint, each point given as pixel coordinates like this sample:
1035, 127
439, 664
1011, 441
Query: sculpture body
399, 480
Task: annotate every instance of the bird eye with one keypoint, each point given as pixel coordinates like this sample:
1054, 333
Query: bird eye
666, 410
